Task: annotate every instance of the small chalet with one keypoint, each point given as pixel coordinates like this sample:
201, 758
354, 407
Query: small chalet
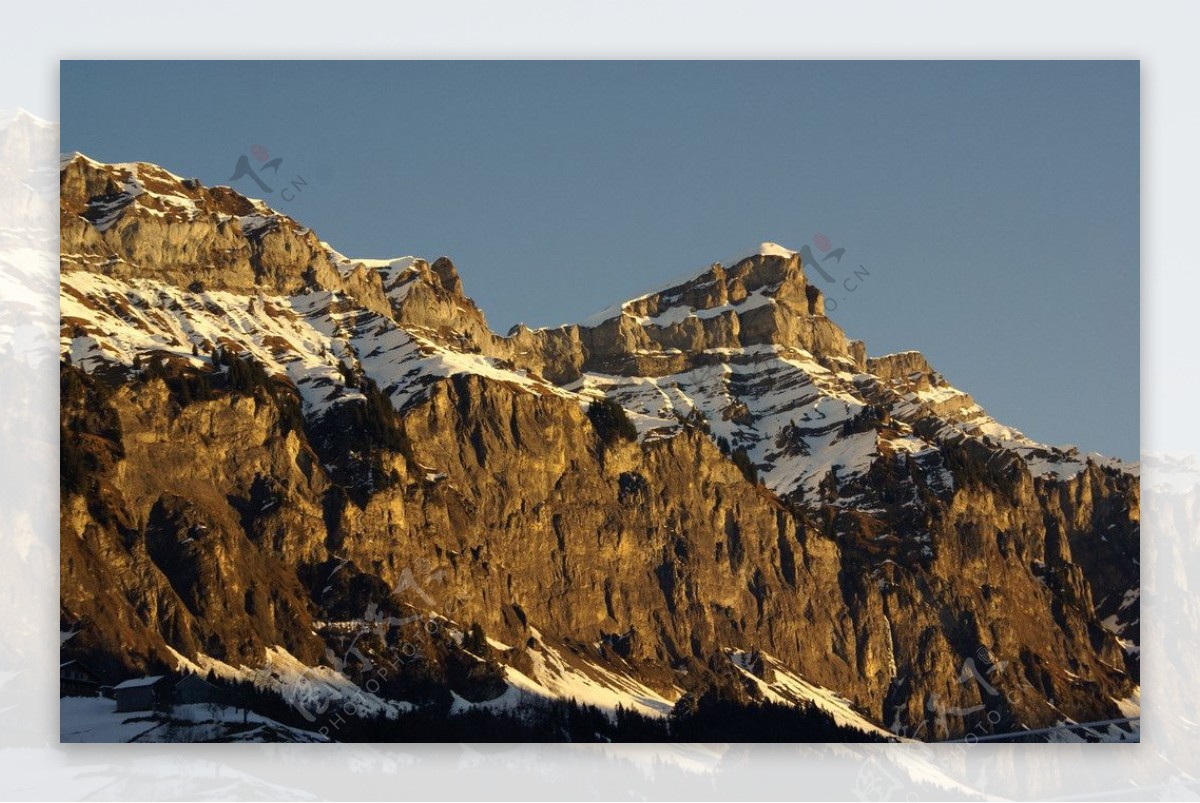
76, 680
154, 691
142, 694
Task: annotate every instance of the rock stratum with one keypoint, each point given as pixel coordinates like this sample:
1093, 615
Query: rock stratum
329, 476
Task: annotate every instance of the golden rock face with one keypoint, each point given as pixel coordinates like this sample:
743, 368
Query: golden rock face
213, 520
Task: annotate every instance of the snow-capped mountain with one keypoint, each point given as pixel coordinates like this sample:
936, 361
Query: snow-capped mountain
271, 449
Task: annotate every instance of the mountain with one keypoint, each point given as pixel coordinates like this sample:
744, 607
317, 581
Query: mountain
328, 477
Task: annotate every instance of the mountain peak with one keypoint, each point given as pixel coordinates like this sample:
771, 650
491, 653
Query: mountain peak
765, 249
766, 264
760, 297
121, 220
18, 116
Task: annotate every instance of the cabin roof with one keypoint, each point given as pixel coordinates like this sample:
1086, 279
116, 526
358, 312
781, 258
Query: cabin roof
134, 683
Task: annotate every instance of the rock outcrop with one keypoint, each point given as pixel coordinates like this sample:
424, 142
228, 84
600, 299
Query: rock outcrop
360, 449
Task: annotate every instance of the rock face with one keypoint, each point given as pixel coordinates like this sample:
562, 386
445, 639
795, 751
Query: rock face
132, 220
762, 299
269, 446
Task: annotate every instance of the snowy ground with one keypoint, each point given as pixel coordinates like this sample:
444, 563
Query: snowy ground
95, 719
789, 688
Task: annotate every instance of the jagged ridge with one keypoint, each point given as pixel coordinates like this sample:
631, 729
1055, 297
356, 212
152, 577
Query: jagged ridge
892, 485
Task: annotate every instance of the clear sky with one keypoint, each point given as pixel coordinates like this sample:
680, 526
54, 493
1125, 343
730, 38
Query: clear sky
992, 206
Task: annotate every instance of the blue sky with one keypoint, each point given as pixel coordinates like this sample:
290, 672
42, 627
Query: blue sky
994, 206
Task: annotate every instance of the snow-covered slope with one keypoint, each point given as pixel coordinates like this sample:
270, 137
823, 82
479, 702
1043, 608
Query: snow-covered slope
557, 675
747, 350
794, 417
309, 338
779, 685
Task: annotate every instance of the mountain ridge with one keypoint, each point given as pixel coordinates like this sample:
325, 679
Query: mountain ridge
883, 485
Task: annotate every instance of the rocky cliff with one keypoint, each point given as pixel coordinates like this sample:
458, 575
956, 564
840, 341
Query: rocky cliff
276, 457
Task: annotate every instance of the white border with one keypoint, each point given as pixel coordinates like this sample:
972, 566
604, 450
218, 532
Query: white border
33, 766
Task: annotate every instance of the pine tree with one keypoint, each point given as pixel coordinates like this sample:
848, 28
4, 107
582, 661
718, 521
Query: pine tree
475, 641
741, 459
611, 421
